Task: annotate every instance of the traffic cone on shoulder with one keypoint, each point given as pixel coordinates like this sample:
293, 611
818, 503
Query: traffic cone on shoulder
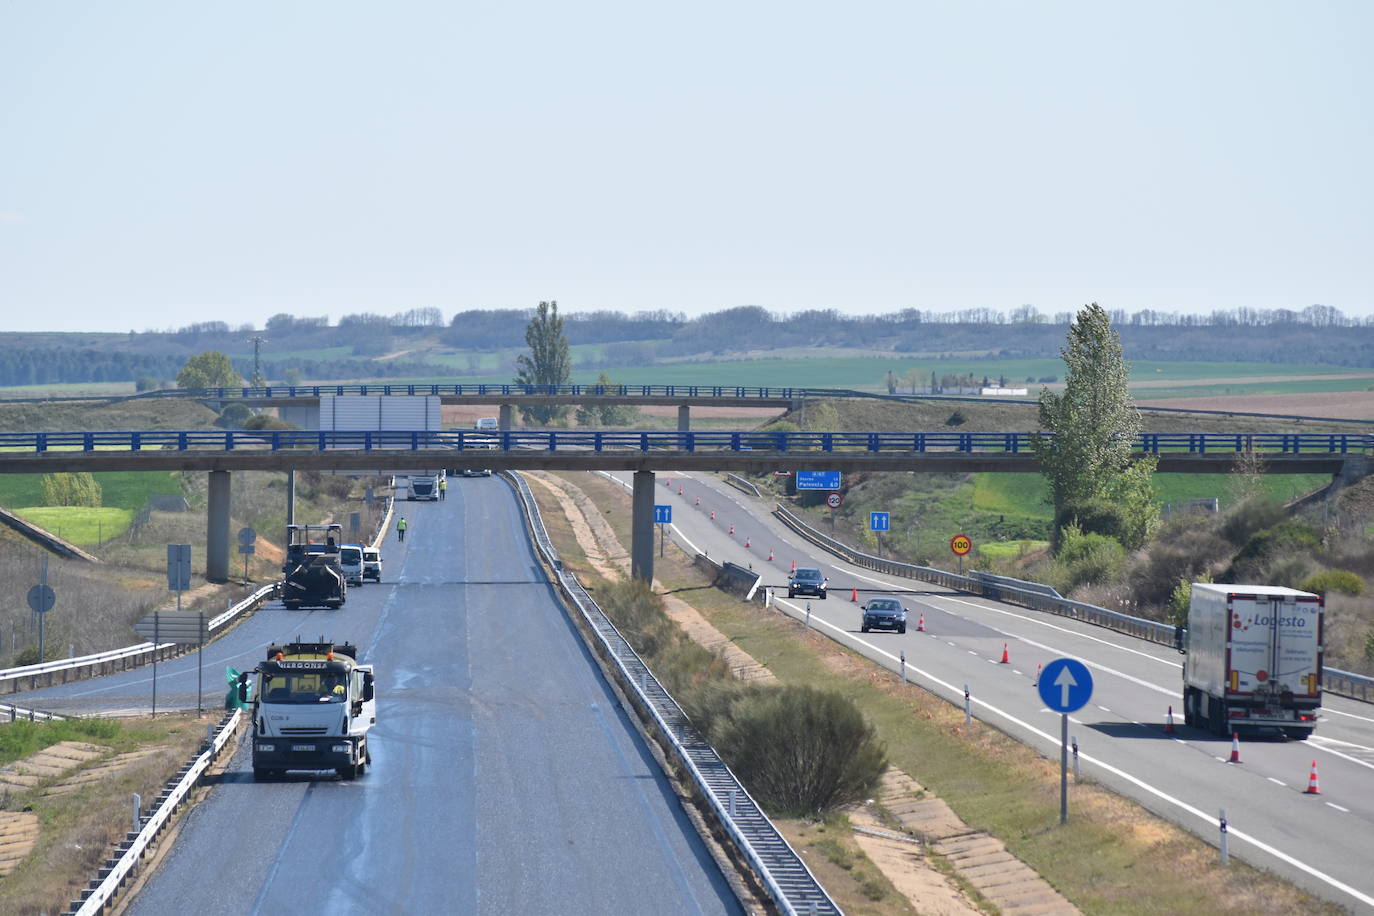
1235, 747
732, 531
679, 491
770, 554
713, 515
1006, 659
854, 595
1312, 787
746, 540
1038, 669
698, 502
921, 624
1169, 722
794, 565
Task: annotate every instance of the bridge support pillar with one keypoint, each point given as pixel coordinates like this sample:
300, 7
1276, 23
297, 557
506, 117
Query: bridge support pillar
684, 418
642, 528
217, 529
291, 497
507, 416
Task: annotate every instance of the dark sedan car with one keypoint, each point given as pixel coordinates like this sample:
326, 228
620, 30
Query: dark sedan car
807, 582
884, 614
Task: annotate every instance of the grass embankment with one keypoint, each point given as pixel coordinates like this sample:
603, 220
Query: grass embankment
78, 829
1114, 858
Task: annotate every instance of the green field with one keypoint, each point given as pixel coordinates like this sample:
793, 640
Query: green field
127, 490
78, 524
1024, 495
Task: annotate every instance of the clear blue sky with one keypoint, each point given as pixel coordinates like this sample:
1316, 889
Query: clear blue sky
165, 163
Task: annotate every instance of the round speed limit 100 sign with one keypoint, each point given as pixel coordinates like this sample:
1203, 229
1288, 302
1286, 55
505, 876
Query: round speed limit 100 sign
960, 544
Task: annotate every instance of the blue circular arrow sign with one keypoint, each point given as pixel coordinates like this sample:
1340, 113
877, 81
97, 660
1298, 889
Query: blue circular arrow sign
1065, 685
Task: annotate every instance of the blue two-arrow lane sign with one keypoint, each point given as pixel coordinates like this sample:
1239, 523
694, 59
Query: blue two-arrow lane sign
1066, 685
663, 515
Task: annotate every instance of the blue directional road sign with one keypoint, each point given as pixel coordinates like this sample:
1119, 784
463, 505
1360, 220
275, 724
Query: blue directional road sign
1066, 685
818, 480
663, 515
880, 521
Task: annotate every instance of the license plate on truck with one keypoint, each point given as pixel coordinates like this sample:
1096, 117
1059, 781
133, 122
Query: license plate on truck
302, 747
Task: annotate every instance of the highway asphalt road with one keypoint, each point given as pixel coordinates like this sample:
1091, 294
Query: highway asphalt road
505, 776
1322, 842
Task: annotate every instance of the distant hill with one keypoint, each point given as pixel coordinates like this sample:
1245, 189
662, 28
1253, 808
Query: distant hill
419, 344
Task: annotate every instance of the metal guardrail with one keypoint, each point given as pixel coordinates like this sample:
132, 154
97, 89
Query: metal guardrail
1314, 444
792, 886
739, 483
1043, 598
9, 713
101, 891
12, 679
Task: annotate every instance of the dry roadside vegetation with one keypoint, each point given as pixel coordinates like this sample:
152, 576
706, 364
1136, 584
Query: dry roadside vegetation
78, 828
1116, 858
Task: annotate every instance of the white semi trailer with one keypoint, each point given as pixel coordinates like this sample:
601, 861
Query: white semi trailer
1254, 659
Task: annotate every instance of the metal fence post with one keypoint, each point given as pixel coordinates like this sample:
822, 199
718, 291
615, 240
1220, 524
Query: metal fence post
138, 813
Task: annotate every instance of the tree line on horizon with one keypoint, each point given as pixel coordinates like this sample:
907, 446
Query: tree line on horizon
643, 338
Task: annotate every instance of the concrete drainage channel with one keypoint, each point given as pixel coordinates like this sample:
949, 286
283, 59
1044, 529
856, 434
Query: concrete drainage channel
757, 842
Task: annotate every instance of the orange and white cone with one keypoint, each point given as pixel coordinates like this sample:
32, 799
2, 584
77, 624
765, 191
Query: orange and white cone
921, 624
679, 491
1006, 658
1235, 747
854, 595
770, 554
1169, 722
1038, 669
1312, 787
746, 540
794, 565
732, 531
713, 515
698, 500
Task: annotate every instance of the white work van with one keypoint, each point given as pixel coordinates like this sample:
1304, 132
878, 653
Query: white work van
351, 563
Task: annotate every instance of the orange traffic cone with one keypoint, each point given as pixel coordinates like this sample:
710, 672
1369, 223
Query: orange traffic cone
1312, 787
794, 565
732, 531
921, 624
854, 595
1169, 722
770, 554
698, 502
713, 515
746, 540
1036, 682
1235, 747
679, 491
1006, 659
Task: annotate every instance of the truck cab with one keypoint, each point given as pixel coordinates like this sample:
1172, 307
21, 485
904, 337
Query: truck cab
423, 486
311, 574
312, 710
351, 563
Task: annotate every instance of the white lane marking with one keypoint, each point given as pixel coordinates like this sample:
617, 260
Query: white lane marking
1321, 744
1179, 803
1328, 711
1104, 709
1338, 807
1023, 617
1277, 782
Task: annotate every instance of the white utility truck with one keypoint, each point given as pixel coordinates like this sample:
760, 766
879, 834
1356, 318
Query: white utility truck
423, 486
1254, 659
312, 709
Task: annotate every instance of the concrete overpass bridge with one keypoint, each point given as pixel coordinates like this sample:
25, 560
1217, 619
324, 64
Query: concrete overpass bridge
220, 452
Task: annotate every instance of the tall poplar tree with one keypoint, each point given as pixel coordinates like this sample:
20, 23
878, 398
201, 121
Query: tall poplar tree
549, 361
1094, 427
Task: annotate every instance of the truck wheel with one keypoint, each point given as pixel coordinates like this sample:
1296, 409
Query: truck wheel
291, 605
1296, 734
261, 775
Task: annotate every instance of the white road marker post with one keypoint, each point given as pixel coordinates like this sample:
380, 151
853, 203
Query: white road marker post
968, 707
1225, 851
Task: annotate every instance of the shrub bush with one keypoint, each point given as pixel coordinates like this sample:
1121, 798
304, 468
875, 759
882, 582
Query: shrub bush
1265, 550
1249, 517
267, 421
799, 750
956, 419
1333, 580
1085, 558
1093, 516
1188, 548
